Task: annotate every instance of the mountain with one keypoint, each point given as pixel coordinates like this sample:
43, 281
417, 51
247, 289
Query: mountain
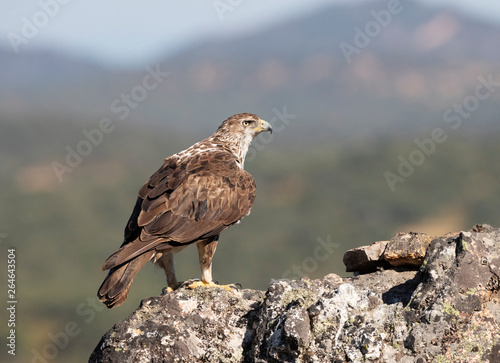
344, 71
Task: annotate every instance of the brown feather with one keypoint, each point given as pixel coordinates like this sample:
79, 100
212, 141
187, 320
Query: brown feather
193, 196
114, 289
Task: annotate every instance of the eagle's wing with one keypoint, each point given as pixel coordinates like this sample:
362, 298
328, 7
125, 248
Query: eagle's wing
185, 202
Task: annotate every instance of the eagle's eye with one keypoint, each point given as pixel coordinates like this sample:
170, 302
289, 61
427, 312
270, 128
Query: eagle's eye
247, 122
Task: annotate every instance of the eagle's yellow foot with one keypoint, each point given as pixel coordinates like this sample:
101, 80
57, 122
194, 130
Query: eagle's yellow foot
230, 287
170, 288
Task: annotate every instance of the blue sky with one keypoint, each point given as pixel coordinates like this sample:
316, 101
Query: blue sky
133, 33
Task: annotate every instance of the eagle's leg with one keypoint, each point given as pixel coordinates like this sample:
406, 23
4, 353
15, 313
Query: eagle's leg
206, 251
166, 262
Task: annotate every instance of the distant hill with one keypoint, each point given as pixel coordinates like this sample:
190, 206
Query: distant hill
409, 66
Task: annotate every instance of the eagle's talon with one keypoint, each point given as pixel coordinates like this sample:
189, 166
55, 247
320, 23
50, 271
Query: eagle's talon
188, 283
166, 290
236, 286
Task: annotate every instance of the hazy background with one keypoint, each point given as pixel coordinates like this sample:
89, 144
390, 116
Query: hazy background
431, 69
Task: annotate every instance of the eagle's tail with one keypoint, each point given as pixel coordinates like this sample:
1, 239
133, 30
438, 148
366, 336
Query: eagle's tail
114, 289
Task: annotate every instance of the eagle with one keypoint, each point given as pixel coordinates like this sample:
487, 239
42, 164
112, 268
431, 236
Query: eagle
194, 196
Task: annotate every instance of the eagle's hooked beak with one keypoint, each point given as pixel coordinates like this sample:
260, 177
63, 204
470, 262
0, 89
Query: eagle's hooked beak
265, 126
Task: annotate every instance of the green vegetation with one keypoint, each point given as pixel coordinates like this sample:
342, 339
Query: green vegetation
63, 231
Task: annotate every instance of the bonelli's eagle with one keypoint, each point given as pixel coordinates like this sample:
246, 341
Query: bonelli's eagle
194, 196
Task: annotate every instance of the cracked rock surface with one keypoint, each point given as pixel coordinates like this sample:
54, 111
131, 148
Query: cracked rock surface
446, 310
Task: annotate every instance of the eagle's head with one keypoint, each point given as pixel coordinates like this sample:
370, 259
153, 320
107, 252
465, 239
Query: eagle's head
244, 125
238, 131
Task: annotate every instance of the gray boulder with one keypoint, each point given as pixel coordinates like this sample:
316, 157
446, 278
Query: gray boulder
446, 310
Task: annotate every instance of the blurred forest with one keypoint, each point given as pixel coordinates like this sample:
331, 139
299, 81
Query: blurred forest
321, 178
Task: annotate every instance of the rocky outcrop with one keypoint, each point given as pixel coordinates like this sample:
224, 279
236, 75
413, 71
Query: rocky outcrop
405, 249
445, 310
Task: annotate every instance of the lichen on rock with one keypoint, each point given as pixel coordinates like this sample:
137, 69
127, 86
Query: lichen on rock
445, 310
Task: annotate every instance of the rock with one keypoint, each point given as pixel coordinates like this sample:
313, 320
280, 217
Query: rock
407, 249
447, 311
366, 259
184, 326
456, 308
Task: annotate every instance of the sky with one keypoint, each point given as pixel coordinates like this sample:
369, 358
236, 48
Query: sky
132, 33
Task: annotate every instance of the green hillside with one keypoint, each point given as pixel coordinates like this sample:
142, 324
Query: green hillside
315, 200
